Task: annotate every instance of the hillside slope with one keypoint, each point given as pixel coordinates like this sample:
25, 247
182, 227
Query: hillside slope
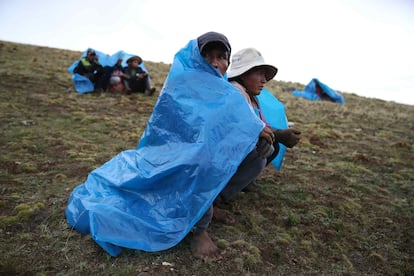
342, 203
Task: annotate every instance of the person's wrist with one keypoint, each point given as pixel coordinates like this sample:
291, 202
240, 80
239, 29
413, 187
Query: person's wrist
280, 136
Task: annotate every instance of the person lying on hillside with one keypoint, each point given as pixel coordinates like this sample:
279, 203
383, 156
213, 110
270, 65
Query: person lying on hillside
90, 67
136, 79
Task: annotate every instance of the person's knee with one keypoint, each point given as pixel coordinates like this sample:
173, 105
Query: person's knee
253, 161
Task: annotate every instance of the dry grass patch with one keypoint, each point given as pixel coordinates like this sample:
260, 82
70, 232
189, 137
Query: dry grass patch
342, 204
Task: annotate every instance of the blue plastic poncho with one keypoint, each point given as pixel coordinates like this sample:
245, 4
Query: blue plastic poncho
83, 84
309, 92
150, 198
274, 112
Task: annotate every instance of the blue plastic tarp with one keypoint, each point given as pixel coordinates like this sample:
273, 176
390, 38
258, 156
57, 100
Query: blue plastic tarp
149, 198
309, 92
84, 85
274, 112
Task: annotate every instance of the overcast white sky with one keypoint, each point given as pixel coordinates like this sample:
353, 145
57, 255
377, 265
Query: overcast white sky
356, 46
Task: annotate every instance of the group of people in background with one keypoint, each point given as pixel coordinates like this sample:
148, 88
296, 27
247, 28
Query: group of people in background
117, 78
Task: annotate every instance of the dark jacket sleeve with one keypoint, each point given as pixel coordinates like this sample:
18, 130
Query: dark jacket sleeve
80, 69
133, 77
140, 70
88, 70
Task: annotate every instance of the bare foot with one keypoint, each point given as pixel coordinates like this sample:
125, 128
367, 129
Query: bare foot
203, 247
221, 216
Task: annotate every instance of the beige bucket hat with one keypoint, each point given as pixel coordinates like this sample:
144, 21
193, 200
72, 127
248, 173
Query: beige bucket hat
247, 59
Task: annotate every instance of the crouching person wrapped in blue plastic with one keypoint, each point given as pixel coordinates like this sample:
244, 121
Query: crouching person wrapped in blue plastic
200, 132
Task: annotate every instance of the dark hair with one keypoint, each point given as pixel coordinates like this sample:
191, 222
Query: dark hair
237, 79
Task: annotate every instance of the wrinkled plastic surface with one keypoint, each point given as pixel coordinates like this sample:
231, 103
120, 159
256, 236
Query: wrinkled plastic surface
84, 85
309, 92
274, 112
149, 198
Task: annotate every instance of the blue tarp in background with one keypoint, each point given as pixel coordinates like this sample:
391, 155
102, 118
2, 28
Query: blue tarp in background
150, 198
84, 85
309, 92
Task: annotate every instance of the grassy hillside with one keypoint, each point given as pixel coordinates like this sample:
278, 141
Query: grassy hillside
342, 204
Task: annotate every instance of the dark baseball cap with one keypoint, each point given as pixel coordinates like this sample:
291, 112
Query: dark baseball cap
209, 37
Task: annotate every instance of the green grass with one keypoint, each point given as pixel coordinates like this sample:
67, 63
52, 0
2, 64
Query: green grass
342, 204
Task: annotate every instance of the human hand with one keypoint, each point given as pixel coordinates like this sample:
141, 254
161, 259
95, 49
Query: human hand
288, 137
267, 133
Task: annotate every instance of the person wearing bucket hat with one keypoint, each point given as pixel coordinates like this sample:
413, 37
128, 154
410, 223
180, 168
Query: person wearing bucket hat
136, 79
248, 59
215, 49
249, 73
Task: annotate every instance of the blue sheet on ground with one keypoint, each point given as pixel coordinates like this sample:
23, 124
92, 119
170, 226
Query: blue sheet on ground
309, 92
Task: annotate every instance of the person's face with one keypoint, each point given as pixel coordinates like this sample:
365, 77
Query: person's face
91, 56
254, 80
134, 63
219, 59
